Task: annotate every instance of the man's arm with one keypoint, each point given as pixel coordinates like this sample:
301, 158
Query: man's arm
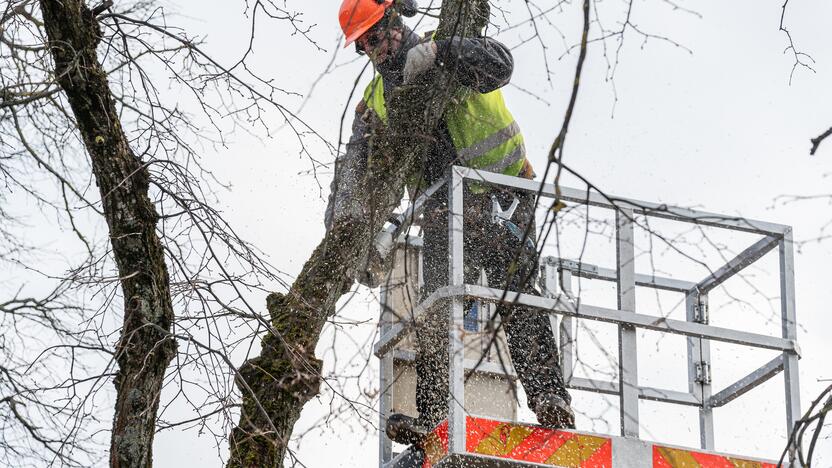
480, 63
350, 167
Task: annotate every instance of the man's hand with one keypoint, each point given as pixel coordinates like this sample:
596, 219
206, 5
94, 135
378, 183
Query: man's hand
419, 60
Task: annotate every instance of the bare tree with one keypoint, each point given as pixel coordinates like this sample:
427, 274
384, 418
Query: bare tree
145, 348
75, 79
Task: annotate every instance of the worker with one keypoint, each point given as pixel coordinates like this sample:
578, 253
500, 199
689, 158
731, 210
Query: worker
477, 131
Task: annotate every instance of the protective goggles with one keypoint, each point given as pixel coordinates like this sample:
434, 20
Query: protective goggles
372, 38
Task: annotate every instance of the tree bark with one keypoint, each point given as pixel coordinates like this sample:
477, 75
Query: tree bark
286, 375
145, 347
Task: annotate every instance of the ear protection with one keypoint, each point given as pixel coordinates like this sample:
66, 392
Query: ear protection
407, 8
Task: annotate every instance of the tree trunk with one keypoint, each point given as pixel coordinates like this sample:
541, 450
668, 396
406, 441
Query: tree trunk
145, 348
286, 375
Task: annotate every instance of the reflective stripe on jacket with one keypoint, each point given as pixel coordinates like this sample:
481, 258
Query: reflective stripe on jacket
484, 133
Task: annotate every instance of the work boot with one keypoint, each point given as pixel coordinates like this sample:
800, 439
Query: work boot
554, 412
404, 429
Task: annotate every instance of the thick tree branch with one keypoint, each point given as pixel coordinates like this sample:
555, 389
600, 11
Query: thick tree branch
143, 351
286, 374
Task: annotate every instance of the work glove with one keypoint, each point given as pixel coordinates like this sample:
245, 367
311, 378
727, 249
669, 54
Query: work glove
419, 60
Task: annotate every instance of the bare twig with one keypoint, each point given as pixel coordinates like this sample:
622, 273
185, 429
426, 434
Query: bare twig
818, 140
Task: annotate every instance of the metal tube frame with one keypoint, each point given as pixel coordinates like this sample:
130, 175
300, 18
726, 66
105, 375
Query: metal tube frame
563, 306
456, 278
699, 368
385, 446
696, 328
627, 338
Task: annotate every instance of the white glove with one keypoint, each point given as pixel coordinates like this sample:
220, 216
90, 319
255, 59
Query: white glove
419, 60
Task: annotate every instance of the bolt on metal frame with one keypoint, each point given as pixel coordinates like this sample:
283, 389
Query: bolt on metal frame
696, 327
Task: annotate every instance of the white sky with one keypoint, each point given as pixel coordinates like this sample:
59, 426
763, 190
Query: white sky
720, 129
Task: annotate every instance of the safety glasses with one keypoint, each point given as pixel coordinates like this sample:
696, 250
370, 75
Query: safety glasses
371, 38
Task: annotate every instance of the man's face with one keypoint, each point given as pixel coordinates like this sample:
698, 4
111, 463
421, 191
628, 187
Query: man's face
380, 43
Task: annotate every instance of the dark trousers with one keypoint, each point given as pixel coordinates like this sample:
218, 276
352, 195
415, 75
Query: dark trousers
508, 265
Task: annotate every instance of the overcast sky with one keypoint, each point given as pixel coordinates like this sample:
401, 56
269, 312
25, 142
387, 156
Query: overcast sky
718, 128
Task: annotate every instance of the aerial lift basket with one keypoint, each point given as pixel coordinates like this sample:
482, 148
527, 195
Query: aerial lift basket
481, 428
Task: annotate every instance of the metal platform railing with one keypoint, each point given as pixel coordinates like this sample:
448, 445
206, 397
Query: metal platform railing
695, 328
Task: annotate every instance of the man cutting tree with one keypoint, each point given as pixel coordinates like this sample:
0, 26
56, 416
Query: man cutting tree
479, 132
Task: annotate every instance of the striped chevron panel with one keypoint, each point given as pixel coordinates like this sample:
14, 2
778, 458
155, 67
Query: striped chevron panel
550, 447
667, 457
436, 445
524, 443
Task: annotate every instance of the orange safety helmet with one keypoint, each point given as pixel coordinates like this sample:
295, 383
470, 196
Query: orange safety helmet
358, 16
